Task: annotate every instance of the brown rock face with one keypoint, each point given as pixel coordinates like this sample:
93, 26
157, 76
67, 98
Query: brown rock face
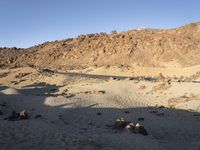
146, 47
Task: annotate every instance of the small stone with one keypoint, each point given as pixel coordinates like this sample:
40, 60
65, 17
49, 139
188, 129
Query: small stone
102, 92
23, 115
126, 112
131, 78
113, 78
137, 128
99, 114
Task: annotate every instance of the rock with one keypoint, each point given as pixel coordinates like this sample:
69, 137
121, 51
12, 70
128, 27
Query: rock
18, 116
126, 112
47, 70
137, 128
14, 82
113, 78
95, 92
143, 131
4, 74
169, 81
120, 123
140, 129
21, 75
23, 115
130, 127
102, 92
14, 116
99, 114
114, 32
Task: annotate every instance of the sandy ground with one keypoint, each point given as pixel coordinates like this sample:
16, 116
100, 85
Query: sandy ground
169, 71
77, 111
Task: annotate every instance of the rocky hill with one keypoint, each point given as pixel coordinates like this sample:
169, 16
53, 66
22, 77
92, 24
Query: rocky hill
144, 47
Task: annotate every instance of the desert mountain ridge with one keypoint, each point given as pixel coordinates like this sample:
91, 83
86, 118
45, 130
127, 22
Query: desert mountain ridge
141, 47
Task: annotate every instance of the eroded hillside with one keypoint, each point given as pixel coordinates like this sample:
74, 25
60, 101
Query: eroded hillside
145, 47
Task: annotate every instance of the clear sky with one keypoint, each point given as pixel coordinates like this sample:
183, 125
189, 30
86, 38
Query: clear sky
24, 23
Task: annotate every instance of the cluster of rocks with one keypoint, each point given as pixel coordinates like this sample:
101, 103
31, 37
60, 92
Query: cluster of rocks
21, 75
122, 124
18, 116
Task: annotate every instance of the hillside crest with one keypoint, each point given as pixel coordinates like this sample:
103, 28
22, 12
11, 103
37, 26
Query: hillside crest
143, 47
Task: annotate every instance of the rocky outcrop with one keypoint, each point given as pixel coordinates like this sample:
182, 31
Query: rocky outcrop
145, 47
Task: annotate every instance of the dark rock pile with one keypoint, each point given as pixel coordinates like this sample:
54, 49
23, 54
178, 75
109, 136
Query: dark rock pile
18, 116
121, 124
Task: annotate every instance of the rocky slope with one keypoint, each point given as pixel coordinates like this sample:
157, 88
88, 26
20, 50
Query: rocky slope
145, 47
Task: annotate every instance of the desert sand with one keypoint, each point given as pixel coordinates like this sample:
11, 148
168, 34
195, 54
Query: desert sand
76, 110
68, 94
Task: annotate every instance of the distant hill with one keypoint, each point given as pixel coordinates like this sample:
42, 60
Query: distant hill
144, 47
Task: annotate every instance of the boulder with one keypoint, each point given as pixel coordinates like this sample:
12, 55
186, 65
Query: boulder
18, 116
139, 129
120, 123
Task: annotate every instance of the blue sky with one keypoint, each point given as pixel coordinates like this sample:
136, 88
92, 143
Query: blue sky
24, 23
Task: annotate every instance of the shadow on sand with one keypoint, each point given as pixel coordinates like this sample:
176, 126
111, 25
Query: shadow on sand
67, 126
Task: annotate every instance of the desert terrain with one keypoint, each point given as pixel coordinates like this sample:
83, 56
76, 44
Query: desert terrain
74, 90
